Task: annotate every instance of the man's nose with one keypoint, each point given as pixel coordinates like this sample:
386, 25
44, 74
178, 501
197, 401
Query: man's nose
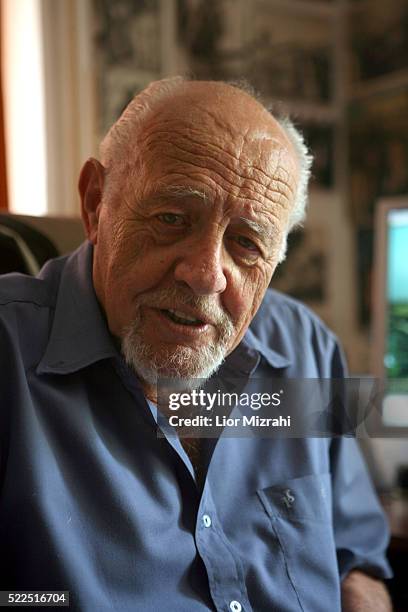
202, 270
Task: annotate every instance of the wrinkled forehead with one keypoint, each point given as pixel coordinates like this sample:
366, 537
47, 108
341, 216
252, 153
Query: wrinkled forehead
244, 141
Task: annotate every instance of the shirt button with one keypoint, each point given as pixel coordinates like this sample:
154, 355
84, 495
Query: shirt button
288, 498
235, 606
206, 520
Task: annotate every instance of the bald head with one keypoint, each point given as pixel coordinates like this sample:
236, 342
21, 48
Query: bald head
229, 109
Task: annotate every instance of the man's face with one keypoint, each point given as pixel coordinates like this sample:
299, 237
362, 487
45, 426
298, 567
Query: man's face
184, 254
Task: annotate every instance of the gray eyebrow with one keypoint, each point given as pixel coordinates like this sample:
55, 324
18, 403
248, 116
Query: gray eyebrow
181, 191
259, 229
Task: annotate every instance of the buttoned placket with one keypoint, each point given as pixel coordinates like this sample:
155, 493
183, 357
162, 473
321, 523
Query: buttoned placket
224, 568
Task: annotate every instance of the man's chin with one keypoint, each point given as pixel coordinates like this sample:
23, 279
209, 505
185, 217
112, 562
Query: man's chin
181, 365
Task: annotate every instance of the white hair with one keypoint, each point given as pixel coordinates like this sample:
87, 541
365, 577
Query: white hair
305, 160
116, 147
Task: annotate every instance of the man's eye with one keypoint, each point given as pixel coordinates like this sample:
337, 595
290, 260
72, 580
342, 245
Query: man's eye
246, 243
171, 219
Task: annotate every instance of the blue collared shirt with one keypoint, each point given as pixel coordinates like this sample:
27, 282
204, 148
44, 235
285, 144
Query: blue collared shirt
93, 502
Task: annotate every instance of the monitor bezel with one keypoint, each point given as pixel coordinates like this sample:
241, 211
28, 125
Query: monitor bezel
379, 298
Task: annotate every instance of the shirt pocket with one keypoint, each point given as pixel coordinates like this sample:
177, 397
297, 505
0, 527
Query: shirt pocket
300, 511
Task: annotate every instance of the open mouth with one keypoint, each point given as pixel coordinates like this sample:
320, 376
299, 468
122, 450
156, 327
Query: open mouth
181, 318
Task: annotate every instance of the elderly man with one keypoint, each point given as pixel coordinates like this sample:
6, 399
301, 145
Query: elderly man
187, 216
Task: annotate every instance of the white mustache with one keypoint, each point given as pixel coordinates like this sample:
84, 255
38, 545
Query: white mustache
202, 304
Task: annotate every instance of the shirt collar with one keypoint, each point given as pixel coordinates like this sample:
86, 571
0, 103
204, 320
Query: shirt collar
274, 358
245, 359
80, 335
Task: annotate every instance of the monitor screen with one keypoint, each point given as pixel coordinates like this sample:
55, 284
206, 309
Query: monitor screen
391, 310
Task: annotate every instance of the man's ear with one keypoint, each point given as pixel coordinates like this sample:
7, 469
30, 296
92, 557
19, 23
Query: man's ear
90, 186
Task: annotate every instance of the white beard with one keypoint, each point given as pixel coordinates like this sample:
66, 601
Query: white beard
183, 364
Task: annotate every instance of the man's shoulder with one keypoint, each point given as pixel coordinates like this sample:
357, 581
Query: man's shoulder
280, 311
40, 291
16, 288
27, 307
26, 302
291, 329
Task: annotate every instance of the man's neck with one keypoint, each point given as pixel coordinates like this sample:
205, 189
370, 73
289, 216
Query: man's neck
150, 392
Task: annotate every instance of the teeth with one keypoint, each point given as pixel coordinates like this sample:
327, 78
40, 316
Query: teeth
183, 316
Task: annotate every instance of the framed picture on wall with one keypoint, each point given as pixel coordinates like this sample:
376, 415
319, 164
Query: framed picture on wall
378, 146
303, 274
128, 42
289, 58
379, 38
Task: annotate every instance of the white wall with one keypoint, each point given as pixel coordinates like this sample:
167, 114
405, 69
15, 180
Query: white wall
49, 101
24, 106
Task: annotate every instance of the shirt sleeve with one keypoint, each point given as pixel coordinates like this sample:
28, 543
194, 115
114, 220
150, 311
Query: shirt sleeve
360, 528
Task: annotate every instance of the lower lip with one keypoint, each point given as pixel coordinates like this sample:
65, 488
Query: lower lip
172, 331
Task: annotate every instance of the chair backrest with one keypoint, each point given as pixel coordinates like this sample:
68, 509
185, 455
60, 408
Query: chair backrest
22, 247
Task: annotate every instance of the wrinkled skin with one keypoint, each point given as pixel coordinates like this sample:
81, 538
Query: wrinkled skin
219, 141
153, 233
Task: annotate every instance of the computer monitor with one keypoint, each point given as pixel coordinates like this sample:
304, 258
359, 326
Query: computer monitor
390, 313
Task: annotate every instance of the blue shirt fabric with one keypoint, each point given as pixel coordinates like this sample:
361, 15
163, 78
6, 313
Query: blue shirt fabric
93, 502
